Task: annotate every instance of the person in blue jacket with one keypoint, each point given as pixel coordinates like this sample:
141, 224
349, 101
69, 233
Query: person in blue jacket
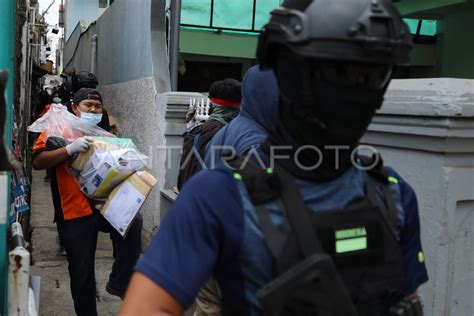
258, 114
242, 136
333, 61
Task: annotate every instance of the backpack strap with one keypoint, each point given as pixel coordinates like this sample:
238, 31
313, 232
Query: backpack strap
262, 183
298, 215
263, 186
196, 137
374, 167
275, 237
378, 176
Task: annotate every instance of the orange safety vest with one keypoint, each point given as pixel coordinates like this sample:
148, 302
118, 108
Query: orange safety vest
74, 203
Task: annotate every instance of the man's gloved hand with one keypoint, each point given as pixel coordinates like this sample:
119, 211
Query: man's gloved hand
79, 145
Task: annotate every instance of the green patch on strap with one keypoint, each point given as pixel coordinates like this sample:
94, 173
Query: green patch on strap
393, 180
269, 170
237, 176
351, 244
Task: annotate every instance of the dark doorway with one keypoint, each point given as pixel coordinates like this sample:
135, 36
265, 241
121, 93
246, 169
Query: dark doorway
200, 75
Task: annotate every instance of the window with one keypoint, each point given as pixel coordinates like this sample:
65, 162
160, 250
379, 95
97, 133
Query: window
262, 12
242, 15
251, 16
422, 27
233, 14
196, 12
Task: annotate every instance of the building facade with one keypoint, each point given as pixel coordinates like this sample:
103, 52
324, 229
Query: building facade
82, 10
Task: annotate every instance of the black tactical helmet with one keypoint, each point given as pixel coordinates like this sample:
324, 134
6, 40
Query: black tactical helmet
84, 79
367, 31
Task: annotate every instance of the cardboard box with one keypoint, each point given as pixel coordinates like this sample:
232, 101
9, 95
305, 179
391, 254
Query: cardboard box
105, 170
126, 199
106, 163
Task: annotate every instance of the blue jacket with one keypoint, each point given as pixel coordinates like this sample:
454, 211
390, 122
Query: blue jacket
258, 113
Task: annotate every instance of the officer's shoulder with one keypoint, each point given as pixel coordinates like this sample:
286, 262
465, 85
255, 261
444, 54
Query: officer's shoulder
211, 192
406, 190
394, 175
213, 181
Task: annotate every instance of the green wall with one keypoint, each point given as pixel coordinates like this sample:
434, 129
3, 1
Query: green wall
423, 55
7, 35
224, 44
457, 45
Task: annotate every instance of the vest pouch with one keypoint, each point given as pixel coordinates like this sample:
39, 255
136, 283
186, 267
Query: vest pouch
366, 254
311, 287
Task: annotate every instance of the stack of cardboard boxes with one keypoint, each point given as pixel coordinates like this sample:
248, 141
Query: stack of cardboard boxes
112, 171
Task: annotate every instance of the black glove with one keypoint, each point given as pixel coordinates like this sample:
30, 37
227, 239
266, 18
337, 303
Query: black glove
55, 142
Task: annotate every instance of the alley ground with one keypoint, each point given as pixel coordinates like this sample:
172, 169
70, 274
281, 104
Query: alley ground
55, 298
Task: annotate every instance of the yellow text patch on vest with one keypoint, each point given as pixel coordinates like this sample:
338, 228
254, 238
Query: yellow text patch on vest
351, 233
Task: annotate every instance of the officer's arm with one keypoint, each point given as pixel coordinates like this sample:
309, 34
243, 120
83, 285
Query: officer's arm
49, 159
145, 297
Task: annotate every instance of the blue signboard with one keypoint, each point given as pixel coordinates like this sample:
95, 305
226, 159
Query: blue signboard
20, 199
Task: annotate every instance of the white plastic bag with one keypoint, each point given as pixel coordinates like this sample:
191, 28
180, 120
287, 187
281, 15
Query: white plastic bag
108, 161
59, 122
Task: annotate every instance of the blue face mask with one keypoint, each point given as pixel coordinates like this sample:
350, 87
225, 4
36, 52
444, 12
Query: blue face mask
57, 100
91, 118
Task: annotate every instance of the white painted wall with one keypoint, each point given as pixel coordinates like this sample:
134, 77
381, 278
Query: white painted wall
425, 130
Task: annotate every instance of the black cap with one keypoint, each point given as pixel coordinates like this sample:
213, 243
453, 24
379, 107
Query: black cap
84, 79
87, 94
227, 89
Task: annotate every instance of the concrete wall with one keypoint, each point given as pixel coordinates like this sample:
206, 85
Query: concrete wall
77, 10
132, 69
425, 130
124, 50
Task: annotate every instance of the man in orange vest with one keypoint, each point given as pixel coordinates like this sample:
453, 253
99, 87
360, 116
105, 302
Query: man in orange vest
77, 220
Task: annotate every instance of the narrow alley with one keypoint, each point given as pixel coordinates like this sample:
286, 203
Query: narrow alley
246, 157
55, 294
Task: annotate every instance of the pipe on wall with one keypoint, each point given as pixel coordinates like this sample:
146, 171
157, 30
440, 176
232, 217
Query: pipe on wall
94, 54
174, 42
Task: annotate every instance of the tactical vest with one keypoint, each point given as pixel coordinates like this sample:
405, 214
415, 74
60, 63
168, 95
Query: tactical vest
338, 262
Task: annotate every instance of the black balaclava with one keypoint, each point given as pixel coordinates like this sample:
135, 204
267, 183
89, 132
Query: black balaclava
320, 112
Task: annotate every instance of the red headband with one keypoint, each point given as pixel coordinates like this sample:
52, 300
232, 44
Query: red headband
225, 102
